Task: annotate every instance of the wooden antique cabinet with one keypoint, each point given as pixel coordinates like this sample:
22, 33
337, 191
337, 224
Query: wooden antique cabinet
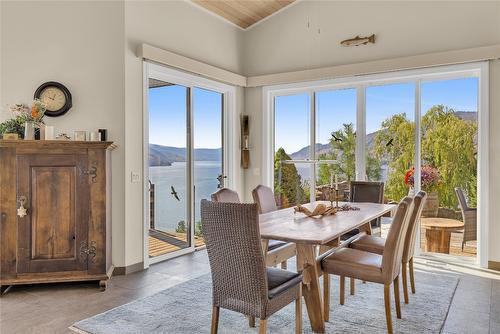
64, 233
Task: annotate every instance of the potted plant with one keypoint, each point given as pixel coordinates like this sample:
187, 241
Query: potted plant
14, 126
31, 118
429, 182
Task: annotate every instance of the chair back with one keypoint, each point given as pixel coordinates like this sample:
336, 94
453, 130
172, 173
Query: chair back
469, 216
232, 236
394, 244
462, 202
411, 233
366, 191
264, 198
225, 195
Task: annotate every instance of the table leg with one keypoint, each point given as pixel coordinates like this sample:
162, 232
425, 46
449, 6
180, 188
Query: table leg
437, 241
367, 228
306, 259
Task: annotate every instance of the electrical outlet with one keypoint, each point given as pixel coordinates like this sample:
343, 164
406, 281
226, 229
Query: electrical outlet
135, 177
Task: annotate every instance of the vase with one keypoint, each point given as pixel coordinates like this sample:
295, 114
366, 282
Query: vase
29, 131
431, 206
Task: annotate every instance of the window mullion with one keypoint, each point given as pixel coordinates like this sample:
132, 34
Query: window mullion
360, 155
312, 147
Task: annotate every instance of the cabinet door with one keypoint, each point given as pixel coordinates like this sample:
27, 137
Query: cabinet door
53, 234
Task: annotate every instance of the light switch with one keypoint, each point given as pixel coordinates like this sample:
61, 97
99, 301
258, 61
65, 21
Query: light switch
256, 171
135, 177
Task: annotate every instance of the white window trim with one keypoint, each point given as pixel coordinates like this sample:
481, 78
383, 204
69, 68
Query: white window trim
230, 151
417, 76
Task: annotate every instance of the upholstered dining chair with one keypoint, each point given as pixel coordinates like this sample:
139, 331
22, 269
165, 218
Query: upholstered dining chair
240, 279
370, 192
383, 269
376, 245
225, 195
469, 216
264, 198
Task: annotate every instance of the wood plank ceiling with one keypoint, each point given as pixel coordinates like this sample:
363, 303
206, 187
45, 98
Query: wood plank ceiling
243, 13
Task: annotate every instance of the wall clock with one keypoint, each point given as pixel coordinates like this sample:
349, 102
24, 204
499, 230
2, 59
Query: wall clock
56, 97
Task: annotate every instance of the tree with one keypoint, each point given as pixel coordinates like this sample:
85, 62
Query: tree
449, 144
344, 151
398, 155
287, 181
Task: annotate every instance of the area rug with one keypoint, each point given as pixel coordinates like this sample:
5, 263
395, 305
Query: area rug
186, 308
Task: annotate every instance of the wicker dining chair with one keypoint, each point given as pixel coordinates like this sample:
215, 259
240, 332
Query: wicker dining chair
240, 280
264, 198
383, 269
373, 244
225, 195
469, 216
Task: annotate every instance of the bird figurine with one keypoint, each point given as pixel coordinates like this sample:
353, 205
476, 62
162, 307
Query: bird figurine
335, 137
174, 193
389, 143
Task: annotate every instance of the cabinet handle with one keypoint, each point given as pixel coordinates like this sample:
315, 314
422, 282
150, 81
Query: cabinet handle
22, 211
91, 172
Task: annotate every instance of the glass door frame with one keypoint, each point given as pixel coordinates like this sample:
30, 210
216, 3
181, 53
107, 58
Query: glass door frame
190, 81
360, 83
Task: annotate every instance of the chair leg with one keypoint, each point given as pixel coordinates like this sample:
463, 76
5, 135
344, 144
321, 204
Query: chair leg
283, 265
387, 302
263, 326
342, 289
251, 321
298, 312
463, 244
404, 271
353, 286
215, 320
397, 300
412, 276
326, 296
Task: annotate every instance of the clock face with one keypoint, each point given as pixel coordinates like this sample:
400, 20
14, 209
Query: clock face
53, 98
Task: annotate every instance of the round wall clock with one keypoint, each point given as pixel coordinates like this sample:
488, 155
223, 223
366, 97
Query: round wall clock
56, 98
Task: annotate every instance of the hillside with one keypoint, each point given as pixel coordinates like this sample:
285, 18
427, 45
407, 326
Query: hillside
165, 155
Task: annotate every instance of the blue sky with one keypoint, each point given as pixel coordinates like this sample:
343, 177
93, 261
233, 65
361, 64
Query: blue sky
334, 108
167, 117
167, 107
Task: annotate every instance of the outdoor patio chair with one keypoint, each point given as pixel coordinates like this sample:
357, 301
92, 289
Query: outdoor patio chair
469, 215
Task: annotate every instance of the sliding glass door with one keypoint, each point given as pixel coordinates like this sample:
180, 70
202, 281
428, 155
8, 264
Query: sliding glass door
411, 131
185, 158
168, 168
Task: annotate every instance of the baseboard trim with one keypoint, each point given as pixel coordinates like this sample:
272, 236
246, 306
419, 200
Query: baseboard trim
128, 269
494, 265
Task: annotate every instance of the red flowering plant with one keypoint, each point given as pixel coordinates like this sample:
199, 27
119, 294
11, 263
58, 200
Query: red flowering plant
429, 178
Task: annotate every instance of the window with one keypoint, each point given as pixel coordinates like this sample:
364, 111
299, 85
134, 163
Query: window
381, 128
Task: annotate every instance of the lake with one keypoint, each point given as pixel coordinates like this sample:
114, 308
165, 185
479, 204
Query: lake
169, 211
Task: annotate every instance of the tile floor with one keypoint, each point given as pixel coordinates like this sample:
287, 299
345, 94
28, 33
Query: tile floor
52, 308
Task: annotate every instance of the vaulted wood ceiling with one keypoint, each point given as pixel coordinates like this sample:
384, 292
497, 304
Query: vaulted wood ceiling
243, 13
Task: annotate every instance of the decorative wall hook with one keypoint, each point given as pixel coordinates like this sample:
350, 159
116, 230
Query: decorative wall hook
22, 211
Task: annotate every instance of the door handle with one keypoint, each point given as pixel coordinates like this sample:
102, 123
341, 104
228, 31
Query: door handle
220, 179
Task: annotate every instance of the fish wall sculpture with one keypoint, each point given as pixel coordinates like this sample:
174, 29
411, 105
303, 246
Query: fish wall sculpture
356, 41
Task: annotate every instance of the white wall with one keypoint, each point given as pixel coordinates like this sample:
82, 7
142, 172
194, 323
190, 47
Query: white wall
403, 28
494, 233
79, 44
185, 29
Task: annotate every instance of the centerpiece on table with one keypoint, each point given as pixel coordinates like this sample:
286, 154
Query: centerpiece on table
25, 122
429, 182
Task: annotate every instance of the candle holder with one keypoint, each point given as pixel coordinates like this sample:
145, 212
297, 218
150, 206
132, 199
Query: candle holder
335, 197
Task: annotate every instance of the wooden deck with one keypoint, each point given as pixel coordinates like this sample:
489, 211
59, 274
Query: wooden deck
470, 249
162, 243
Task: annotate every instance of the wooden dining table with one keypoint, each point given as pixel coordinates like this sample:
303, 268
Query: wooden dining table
310, 232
